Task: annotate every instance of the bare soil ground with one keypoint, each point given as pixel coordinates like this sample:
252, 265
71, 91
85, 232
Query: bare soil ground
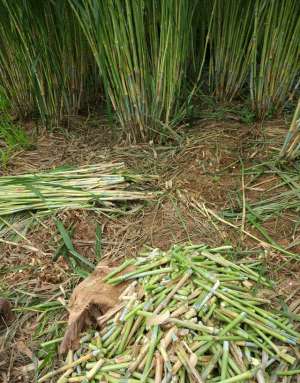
203, 170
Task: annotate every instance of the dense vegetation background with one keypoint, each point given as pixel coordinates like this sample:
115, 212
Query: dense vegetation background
148, 61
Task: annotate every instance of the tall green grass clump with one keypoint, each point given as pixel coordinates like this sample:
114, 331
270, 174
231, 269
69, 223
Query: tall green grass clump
46, 65
275, 62
142, 49
230, 47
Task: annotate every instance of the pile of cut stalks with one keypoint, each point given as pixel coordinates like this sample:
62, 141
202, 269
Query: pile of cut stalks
73, 188
186, 315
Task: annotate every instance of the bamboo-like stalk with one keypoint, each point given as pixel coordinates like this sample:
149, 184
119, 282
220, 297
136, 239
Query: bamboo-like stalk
158, 367
291, 146
224, 365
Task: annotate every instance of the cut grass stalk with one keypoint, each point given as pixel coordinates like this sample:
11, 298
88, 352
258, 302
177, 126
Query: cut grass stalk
288, 373
224, 364
245, 376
